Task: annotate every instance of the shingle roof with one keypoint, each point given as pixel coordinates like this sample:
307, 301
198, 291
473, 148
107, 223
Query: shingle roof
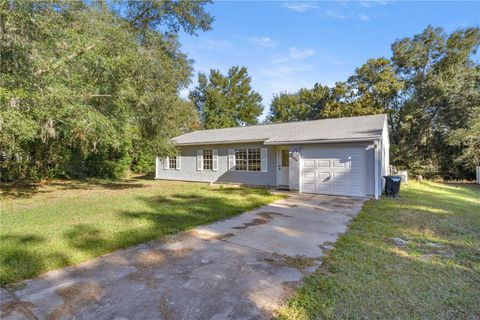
338, 129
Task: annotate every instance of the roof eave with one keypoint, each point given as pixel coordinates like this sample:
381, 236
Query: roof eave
218, 142
266, 142
320, 141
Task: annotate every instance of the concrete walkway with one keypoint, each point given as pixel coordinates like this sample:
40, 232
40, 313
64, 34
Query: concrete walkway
241, 268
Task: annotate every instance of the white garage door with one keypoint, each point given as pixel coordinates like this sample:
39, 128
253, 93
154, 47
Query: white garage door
338, 171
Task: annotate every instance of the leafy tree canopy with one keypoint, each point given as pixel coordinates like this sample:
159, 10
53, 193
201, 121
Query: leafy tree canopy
303, 105
83, 93
226, 101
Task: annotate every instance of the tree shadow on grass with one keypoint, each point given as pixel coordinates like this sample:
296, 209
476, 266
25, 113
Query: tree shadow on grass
20, 257
148, 176
28, 189
25, 255
399, 284
166, 216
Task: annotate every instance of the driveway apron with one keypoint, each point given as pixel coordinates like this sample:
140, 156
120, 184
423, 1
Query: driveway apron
241, 268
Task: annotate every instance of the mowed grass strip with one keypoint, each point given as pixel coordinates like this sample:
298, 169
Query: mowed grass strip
66, 222
435, 276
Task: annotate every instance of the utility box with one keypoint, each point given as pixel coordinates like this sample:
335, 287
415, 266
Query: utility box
392, 186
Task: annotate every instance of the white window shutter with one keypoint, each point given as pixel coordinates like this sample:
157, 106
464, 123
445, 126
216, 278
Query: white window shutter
199, 160
158, 164
231, 159
264, 159
179, 160
215, 160
166, 163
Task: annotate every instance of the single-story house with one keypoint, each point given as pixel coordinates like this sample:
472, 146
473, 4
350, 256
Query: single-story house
343, 156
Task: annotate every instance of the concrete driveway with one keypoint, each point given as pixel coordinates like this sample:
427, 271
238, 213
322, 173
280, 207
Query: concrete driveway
241, 268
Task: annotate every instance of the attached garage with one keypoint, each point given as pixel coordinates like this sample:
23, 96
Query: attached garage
336, 171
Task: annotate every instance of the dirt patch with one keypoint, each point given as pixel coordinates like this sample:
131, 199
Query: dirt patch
289, 288
300, 263
21, 307
165, 311
223, 236
76, 297
343, 205
265, 217
118, 260
12, 287
270, 215
150, 258
254, 222
147, 261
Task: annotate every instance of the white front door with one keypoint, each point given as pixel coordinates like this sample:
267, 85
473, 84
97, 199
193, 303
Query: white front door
282, 170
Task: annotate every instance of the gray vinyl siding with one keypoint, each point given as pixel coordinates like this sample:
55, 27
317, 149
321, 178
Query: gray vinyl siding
189, 172
370, 163
294, 168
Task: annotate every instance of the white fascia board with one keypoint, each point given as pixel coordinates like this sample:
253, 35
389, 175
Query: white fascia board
364, 139
217, 142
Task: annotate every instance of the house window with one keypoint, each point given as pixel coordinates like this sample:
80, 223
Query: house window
253, 159
241, 159
172, 162
207, 160
247, 159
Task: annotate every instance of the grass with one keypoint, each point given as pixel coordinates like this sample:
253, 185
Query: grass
435, 276
65, 222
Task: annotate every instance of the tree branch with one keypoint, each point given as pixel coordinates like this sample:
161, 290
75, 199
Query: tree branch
65, 60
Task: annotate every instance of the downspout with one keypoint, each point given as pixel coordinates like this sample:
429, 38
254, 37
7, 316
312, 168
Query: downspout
299, 171
376, 170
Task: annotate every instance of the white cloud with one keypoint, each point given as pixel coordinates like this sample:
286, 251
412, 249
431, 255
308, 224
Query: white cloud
363, 17
369, 3
335, 14
295, 54
299, 54
263, 42
300, 7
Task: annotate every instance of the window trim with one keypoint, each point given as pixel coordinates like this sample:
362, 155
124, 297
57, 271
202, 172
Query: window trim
170, 159
210, 160
247, 160
167, 164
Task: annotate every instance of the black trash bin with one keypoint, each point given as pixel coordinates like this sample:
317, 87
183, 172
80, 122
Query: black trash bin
392, 186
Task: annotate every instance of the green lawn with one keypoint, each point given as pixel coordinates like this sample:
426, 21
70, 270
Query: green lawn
66, 222
436, 276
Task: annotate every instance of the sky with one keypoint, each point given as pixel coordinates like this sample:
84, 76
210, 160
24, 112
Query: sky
294, 44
